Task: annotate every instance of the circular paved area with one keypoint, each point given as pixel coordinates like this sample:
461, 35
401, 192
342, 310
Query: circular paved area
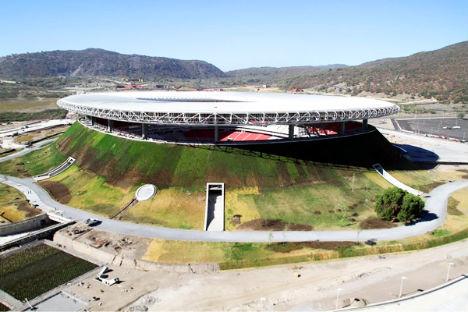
145, 192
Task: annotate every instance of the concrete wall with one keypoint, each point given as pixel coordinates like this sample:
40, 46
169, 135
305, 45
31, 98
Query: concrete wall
9, 301
27, 225
102, 257
34, 235
89, 253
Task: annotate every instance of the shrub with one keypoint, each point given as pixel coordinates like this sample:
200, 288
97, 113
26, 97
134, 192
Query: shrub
411, 208
396, 204
388, 204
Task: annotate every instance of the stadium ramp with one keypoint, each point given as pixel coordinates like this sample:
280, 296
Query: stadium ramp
55, 171
392, 180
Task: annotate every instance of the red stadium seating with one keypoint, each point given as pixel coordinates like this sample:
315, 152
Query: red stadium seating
226, 135
333, 128
236, 136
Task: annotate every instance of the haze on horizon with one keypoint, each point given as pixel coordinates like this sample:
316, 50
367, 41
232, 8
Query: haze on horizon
237, 34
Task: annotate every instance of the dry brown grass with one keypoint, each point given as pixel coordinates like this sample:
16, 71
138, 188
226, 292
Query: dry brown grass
27, 105
39, 135
58, 190
14, 206
376, 223
172, 207
273, 225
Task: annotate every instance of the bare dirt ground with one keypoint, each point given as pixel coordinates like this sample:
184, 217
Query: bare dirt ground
306, 286
40, 134
310, 286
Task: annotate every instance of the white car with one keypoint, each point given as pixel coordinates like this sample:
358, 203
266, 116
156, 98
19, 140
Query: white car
92, 222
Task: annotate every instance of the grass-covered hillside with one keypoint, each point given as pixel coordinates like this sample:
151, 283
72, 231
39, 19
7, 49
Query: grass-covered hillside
123, 161
264, 189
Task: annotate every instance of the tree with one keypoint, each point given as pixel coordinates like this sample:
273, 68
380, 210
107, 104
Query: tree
411, 208
395, 204
388, 204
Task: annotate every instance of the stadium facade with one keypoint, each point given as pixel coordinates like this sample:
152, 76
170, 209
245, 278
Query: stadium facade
226, 118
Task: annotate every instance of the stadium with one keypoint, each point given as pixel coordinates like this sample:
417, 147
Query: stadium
248, 161
226, 118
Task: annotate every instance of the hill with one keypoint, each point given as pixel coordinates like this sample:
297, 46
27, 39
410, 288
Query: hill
98, 62
269, 190
274, 74
265, 166
442, 74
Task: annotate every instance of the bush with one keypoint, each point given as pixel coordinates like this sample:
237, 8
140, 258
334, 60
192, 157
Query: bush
411, 208
388, 204
395, 204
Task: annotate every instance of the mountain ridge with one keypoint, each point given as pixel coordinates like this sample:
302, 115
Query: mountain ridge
99, 62
441, 74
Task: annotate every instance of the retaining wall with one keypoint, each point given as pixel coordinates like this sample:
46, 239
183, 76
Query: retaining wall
101, 257
27, 225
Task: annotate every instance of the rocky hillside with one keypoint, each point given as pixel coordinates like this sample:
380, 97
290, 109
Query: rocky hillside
98, 62
274, 74
442, 74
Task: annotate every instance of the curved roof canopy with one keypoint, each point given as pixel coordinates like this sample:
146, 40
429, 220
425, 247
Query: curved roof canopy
218, 107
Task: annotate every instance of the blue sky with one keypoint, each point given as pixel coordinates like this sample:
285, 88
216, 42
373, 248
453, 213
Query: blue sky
237, 33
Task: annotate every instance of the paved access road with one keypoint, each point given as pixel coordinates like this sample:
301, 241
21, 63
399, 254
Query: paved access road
27, 150
445, 151
450, 298
436, 205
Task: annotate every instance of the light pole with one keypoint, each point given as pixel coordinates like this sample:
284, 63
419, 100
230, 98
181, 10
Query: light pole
403, 278
338, 290
450, 264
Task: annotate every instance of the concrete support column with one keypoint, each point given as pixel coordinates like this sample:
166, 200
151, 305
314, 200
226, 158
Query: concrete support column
216, 129
364, 123
216, 134
92, 120
109, 125
343, 127
291, 132
144, 131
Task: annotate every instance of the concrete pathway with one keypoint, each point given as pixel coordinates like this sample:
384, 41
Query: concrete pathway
27, 150
436, 205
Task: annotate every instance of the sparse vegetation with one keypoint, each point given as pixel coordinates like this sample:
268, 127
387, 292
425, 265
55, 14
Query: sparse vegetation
45, 114
99, 62
14, 206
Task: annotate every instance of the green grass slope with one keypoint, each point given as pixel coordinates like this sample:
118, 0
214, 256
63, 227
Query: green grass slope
124, 161
278, 184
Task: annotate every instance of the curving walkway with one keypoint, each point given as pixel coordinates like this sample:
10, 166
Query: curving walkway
436, 205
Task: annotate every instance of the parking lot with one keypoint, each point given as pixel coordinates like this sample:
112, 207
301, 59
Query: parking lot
448, 127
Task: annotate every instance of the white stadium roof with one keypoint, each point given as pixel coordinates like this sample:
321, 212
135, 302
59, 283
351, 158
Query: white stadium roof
221, 107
